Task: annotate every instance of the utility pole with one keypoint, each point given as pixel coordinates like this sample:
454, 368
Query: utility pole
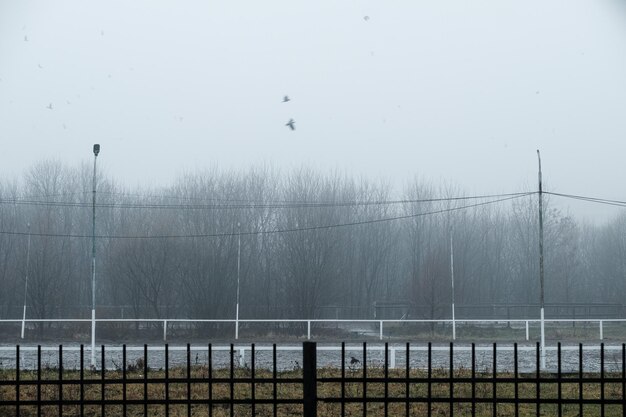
541, 297
238, 273
96, 151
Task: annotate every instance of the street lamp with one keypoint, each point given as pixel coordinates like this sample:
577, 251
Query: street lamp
452, 278
26, 280
541, 299
96, 151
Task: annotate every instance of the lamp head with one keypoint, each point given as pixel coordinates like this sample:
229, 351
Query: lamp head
96, 149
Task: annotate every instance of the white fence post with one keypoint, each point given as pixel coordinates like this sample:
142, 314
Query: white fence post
93, 338
308, 329
453, 328
165, 330
23, 321
381, 330
601, 331
242, 357
392, 352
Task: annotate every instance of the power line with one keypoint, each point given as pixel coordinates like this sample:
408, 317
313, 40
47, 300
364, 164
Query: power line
267, 205
271, 204
590, 199
290, 230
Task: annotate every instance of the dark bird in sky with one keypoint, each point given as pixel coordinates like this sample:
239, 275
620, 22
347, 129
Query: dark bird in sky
286, 99
49, 106
25, 38
291, 123
354, 361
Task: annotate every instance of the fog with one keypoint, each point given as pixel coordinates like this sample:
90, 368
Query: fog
443, 90
303, 244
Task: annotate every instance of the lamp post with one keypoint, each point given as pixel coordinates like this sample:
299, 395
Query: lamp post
96, 151
238, 273
541, 298
452, 277
26, 280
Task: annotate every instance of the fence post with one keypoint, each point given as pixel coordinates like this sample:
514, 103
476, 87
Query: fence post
165, 330
309, 374
381, 330
242, 357
601, 331
308, 330
17, 380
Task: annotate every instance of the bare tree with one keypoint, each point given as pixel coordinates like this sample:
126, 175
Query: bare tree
12, 265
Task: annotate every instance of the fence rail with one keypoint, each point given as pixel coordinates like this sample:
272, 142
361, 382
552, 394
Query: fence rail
356, 386
166, 324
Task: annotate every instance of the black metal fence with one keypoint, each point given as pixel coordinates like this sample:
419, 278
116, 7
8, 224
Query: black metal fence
357, 386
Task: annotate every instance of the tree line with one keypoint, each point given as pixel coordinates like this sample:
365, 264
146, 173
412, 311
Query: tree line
302, 244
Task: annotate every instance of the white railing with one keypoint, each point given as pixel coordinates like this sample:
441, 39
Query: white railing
381, 323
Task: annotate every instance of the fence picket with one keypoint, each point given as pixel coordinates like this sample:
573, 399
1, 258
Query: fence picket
309, 372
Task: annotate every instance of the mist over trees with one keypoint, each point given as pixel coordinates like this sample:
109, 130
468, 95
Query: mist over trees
312, 245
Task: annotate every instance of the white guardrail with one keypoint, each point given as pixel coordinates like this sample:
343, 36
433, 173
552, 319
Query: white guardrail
381, 323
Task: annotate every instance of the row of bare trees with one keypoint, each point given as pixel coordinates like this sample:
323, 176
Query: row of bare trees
311, 245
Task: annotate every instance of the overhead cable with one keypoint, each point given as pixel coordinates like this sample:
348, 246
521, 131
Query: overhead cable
591, 199
277, 231
266, 205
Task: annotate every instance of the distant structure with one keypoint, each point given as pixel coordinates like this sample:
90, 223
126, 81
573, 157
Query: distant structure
291, 123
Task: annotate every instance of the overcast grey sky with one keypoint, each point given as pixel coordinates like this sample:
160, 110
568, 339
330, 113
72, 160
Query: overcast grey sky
455, 90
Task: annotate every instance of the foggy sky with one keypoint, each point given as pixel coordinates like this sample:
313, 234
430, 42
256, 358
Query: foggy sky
455, 91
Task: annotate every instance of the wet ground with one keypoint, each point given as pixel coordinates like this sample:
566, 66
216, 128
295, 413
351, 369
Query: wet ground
289, 356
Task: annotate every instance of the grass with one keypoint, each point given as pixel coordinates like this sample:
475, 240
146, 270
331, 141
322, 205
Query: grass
396, 392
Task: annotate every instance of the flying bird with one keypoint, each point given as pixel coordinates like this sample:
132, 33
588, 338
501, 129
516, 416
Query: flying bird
291, 123
49, 106
286, 99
